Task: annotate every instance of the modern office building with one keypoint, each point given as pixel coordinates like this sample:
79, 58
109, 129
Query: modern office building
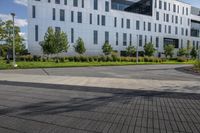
120, 22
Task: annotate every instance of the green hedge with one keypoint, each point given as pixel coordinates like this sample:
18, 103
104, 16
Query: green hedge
112, 58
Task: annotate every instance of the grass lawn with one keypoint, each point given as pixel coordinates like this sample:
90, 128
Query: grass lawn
26, 65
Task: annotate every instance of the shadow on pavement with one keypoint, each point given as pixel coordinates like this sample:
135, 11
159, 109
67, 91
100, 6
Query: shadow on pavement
119, 96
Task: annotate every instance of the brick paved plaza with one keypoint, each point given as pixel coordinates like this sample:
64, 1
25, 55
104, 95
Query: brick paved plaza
43, 108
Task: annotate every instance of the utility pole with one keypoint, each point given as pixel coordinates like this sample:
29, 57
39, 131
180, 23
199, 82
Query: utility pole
137, 50
13, 17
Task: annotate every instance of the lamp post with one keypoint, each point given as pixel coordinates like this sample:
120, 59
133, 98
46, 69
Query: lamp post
137, 51
13, 17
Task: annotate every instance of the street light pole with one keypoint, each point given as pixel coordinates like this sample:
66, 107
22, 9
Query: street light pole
137, 51
13, 17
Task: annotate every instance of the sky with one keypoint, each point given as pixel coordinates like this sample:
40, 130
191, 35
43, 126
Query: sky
20, 8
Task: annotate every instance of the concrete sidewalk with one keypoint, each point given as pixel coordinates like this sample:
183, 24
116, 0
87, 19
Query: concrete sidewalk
137, 84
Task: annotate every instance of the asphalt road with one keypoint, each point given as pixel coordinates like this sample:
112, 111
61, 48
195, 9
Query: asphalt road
43, 108
155, 72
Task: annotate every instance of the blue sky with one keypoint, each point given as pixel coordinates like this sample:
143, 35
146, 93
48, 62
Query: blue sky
20, 8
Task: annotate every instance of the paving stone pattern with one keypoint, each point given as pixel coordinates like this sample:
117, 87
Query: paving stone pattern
43, 108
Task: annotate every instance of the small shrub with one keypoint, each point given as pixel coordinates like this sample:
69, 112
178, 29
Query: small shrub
84, 59
141, 59
91, 59
103, 58
182, 59
96, 58
62, 59
109, 59
36, 58
44, 59
70, 59
197, 64
77, 58
133, 59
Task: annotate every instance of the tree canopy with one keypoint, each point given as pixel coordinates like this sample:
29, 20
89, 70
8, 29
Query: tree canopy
54, 42
169, 50
6, 35
79, 47
149, 49
107, 48
130, 51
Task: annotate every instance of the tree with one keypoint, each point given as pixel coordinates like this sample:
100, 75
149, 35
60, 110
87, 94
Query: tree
182, 52
149, 49
107, 48
79, 47
62, 42
193, 53
48, 45
169, 50
2, 31
130, 50
54, 42
6, 34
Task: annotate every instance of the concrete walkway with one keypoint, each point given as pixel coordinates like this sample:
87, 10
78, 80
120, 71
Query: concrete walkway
135, 84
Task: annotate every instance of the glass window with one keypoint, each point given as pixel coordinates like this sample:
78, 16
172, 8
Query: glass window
176, 19
79, 17
149, 26
124, 39
160, 4
115, 22
128, 24
165, 5
144, 26
83, 3
57, 29
72, 16
33, 12
117, 38
160, 28
72, 35
106, 36
95, 4
90, 18
169, 29
62, 15
122, 23
57, 1
140, 41
134, 6
157, 15
36, 33
167, 17
103, 20
95, 37
137, 25
98, 19
130, 39
75, 3
54, 14
106, 6
176, 30
174, 8
157, 42
65, 2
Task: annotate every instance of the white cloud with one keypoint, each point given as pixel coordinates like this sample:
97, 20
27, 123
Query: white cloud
18, 22
21, 2
23, 34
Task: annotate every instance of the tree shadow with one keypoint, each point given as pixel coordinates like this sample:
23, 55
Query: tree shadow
118, 96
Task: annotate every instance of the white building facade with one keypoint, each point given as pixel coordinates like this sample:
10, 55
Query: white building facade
120, 22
